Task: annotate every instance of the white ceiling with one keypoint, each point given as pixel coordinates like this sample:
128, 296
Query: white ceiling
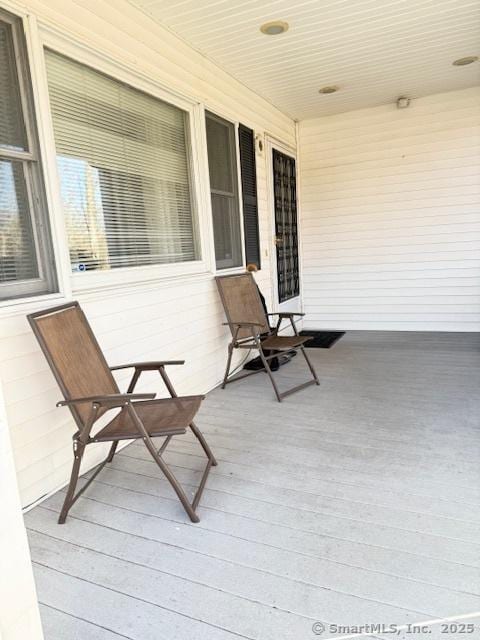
374, 50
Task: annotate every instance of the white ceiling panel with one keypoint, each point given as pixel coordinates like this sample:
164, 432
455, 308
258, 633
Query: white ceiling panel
374, 50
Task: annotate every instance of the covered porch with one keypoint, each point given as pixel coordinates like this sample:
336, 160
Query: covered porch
331, 149
351, 504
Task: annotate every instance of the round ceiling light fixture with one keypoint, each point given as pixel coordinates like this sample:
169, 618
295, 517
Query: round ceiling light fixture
462, 62
330, 89
274, 28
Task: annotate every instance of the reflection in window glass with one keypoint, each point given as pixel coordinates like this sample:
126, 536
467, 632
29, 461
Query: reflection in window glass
17, 248
123, 162
12, 128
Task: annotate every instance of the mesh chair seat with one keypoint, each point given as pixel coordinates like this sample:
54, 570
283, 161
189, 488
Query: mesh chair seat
164, 417
284, 343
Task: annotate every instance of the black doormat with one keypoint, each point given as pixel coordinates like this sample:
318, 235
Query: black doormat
322, 339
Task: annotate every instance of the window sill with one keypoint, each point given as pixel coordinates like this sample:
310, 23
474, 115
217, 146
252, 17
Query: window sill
144, 278
24, 306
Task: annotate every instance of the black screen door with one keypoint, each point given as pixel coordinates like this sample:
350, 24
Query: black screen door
286, 233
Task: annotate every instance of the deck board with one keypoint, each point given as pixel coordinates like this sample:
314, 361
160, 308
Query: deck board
350, 503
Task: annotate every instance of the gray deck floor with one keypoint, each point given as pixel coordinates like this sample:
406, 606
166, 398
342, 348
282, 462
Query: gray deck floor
353, 503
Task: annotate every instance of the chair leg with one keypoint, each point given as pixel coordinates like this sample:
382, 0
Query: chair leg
69, 498
229, 362
198, 434
113, 449
310, 366
269, 372
164, 445
173, 481
203, 443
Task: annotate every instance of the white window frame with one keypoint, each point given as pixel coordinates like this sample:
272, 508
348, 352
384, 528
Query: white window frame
32, 113
228, 118
124, 276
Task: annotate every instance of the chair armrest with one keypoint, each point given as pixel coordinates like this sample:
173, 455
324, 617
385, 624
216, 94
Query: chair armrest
111, 400
243, 324
286, 314
146, 366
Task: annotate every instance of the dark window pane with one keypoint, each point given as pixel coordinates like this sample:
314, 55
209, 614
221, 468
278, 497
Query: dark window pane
225, 230
12, 128
219, 145
224, 191
17, 247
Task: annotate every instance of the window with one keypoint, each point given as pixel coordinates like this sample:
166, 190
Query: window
124, 165
25, 250
246, 139
224, 191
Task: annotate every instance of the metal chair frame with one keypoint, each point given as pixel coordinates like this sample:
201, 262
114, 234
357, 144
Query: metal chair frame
128, 402
259, 339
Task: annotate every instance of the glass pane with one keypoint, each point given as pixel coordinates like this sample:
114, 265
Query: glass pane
124, 171
226, 231
17, 247
12, 128
224, 192
219, 145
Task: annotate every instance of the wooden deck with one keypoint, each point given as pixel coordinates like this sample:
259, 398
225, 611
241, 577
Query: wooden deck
356, 502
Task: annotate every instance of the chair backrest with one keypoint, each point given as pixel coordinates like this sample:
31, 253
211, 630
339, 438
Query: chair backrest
241, 301
73, 354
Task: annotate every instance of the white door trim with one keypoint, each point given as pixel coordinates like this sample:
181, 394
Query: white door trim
294, 304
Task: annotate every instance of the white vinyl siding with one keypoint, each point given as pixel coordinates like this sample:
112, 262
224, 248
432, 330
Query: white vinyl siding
179, 317
390, 205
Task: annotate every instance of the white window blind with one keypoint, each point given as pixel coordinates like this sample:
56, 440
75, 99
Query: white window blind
25, 251
124, 166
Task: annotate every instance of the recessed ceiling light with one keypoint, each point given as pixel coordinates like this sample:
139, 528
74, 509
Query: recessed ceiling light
461, 62
331, 89
274, 28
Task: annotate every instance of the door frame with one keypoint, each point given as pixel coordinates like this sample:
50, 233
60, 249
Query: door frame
294, 304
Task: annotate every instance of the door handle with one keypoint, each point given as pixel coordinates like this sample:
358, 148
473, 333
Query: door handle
279, 240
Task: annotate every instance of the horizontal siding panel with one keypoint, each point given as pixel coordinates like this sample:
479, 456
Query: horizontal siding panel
422, 152
416, 220
354, 323
459, 124
440, 181
400, 268
457, 158
407, 127
428, 106
447, 168
357, 216
389, 286
394, 238
397, 305
391, 216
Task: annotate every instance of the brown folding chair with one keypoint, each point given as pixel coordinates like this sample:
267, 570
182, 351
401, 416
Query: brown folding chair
90, 391
251, 330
